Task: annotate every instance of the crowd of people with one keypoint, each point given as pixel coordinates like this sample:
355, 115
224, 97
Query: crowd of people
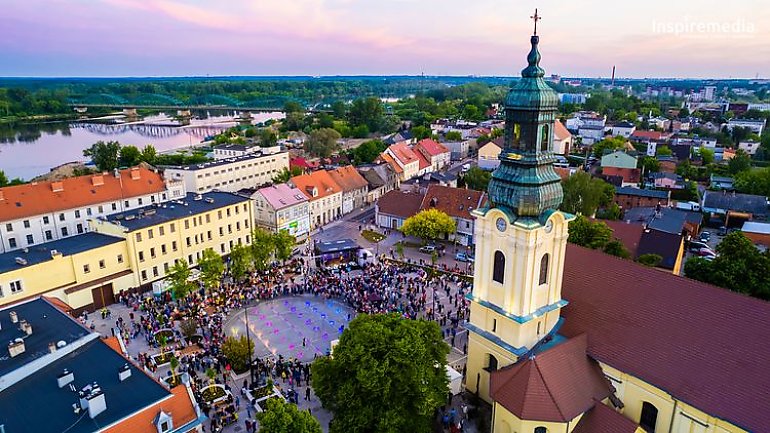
192, 328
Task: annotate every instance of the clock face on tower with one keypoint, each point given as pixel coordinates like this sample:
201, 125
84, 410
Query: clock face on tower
548, 226
501, 224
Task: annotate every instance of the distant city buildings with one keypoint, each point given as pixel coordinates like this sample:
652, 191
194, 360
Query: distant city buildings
229, 174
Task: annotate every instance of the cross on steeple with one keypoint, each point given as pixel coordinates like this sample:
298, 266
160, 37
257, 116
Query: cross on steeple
536, 18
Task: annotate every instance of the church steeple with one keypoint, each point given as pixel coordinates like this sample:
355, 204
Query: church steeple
525, 184
521, 237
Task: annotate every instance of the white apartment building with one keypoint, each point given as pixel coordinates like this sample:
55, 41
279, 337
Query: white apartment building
39, 212
230, 174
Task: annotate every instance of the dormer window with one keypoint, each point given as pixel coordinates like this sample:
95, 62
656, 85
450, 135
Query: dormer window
163, 422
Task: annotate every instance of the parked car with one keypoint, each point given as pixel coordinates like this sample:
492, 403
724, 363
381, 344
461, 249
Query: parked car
428, 249
723, 231
695, 246
464, 257
705, 237
705, 252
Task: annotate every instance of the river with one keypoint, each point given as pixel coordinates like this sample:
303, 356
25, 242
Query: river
31, 149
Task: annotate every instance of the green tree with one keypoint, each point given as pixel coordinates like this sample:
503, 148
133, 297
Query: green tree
429, 224
360, 131
740, 162
651, 260
285, 174
179, 279
149, 154
129, 156
608, 145
584, 194
212, 267
649, 164
388, 375
322, 142
367, 151
611, 212
707, 156
366, 111
476, 178
283, 245
616, 248
340, 109
267, 137
739, 266
261, 248
238, 350
293, 107
240, 261
3, 179
104, 155
282, 417
590, 234
421, 132
453, 136
664, 151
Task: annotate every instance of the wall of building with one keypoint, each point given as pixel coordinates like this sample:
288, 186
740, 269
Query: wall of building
242, 173
326, 209
506, 422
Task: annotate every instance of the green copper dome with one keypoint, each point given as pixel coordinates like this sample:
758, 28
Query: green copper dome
525, 184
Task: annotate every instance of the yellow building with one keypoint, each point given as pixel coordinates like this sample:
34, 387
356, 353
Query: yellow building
84, 271
157, 236
567, 339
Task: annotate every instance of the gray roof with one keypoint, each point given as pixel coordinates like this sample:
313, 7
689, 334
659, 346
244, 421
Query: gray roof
42, 253
725, 201
336, 246
668, 221
651, 193
149, 216
219, 162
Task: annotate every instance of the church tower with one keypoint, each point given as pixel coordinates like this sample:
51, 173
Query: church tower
521, 237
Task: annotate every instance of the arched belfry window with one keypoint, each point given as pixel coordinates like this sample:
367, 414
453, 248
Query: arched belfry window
649, 417
541, 430
544, 269
498, 268
544, 138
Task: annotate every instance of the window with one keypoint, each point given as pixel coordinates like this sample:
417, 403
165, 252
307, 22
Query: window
48, 235
186, 224
61, 217
138, 237
219, 214
152, 252
86, 269
77, 214
544, 269
189, 242
120, 258
154, 271
163, 249
64, 231
150, 234
102, 265
125, 203
141, 256
88, 211
30, 240
544, 139
494, 325
12, 242
79, 228
9, 227
144, 275
491, 363
114, 206
140, 201
208, 234
541, 430
161, 231
208, 218
26, 224
172, 227
173, 246
46, 220
498, 270
649, 417
16, 286
100, 209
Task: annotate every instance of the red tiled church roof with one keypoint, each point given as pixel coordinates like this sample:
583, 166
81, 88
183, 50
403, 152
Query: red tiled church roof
555, 386
604, 419
400, 203
704, 345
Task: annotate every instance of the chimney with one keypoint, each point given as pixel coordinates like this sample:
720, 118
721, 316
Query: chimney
116, 173
65, 378
124, 372
25, 327
95, 401
97, 180
57, 186
16, 347
51, 347
135, 173
14, 317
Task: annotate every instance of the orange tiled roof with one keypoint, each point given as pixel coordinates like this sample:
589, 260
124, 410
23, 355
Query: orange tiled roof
392, 162
178, 406
629, 175
422, 160
403, 153
348, 178
560, 131
320, 180
47, 197
431, 147
455, 202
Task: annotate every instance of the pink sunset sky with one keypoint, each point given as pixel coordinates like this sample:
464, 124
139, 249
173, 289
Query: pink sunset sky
652, 38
